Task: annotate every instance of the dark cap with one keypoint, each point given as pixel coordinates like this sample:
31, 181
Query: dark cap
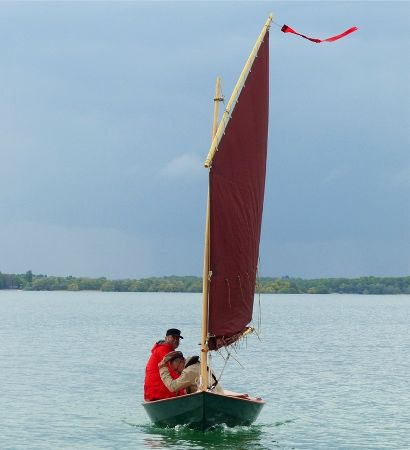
174, 332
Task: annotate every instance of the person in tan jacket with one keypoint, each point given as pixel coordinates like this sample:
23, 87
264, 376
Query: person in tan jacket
189, 368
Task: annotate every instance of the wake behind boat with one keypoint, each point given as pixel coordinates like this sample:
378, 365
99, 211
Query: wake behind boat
237, 167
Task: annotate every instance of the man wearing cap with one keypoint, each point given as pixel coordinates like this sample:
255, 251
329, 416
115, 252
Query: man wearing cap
154, 388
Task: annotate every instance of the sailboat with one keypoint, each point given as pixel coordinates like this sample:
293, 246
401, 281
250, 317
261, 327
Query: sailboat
237, 165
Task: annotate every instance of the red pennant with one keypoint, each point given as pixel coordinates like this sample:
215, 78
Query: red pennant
287, 29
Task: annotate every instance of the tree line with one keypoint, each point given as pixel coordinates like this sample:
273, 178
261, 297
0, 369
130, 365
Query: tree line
283, 285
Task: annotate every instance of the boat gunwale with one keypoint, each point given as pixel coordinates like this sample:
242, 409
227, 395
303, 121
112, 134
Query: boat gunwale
250, 399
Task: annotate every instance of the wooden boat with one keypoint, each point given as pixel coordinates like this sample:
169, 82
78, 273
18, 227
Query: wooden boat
237, 166
203, 411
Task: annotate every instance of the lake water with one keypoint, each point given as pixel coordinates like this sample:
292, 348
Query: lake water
334, 370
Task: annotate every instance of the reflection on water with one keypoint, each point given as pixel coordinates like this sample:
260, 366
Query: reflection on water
220, 438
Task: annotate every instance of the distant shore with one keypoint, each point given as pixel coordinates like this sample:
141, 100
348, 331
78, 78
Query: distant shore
265, 285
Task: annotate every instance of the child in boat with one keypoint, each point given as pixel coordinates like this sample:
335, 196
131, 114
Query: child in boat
189, 369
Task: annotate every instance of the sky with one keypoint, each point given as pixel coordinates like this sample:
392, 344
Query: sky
105, 121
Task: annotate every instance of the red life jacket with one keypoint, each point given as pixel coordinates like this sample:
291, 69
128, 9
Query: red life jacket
154, 388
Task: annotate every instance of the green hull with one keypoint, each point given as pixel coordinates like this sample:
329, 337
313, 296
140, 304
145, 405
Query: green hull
203, 410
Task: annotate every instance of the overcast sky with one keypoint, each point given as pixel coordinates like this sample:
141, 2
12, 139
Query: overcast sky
105, 120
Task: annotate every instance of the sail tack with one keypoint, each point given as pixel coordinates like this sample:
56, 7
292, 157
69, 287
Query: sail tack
236, 189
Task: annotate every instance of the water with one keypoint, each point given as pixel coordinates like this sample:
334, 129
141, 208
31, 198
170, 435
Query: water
333, 369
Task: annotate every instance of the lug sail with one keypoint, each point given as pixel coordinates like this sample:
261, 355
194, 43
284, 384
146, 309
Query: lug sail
237, 163
236, 192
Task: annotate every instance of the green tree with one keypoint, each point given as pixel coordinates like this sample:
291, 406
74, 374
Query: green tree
29, 276
108, 286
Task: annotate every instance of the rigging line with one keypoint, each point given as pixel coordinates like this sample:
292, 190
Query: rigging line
259, 296
209, 370
276, 23
235, 347
223, 368
219, 351
257, 335
237, 360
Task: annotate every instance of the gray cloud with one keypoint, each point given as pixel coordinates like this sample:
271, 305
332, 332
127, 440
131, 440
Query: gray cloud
105, 118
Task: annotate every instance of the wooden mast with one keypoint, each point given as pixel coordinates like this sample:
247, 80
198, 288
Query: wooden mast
206, 275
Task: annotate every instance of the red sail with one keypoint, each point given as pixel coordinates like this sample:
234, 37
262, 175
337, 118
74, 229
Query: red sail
237, 184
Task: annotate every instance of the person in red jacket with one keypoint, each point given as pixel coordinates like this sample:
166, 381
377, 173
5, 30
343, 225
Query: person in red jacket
154, 388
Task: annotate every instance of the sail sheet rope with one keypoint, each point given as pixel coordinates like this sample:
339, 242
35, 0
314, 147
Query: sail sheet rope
225, 358
217, 379
229, 351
